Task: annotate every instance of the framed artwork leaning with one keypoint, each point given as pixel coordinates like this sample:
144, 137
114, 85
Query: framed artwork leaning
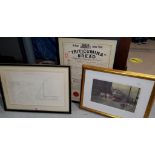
39, 88
116, 93
78, 51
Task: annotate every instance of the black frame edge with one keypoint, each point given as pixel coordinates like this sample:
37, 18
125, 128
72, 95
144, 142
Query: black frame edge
38, 111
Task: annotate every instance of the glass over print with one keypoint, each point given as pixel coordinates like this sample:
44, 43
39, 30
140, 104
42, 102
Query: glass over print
115, 95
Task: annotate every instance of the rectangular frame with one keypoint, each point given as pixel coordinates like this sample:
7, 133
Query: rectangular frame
78, 51
12, 76
105, 102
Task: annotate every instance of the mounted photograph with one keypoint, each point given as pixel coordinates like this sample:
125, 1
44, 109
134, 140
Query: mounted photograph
117, 93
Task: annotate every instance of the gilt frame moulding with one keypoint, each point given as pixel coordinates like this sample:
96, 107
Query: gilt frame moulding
117, 93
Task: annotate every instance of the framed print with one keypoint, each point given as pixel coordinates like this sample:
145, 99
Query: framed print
76, 51
40, 88
116, 93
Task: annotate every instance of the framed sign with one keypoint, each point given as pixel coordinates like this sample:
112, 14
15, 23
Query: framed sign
116, 93
36, 88
75, 52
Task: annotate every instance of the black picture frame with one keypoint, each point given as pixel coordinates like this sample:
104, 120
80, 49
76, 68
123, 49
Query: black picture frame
38, 111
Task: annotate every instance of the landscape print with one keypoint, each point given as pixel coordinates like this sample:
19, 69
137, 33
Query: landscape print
115, 95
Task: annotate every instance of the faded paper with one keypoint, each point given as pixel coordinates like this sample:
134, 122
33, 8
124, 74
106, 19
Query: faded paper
76, 52
27, 88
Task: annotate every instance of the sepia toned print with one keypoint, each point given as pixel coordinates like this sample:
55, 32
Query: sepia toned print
115, 95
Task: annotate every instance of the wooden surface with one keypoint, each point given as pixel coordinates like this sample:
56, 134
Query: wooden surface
122, 53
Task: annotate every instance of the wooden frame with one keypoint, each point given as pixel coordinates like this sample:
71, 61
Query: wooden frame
37, 88
122, 53
101, 92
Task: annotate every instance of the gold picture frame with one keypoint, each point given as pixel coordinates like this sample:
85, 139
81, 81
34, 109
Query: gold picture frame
116, 93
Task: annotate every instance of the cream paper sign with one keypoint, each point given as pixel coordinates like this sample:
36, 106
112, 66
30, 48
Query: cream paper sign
76, 52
